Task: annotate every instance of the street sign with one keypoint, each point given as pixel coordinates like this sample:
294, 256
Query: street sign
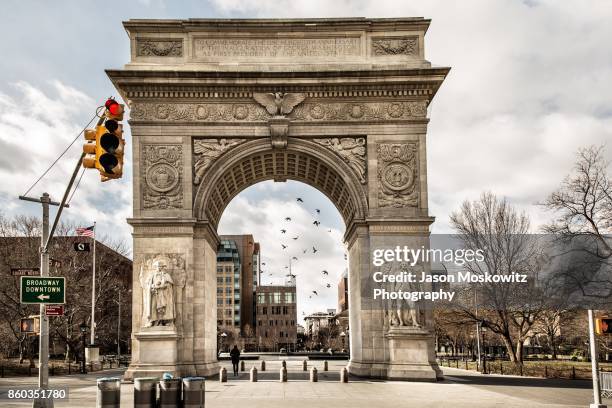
54, 310
81, 246
43, 290
25, 271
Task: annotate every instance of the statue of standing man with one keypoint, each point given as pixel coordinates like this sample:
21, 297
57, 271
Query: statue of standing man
158, 294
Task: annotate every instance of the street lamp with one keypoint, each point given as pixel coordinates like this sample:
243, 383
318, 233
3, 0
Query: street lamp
484, 349
83, 328
223, 336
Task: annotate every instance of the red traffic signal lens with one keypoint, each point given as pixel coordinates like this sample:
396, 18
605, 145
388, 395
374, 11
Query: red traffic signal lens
113, 107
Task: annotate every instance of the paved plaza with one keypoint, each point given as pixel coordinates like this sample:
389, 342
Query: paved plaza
460, 389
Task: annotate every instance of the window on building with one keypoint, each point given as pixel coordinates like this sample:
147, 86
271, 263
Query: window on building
219, 269
219, 301
228, 279
285, 310
276, 298
219, 291
228, 291
261, 298
264, 310
289, 297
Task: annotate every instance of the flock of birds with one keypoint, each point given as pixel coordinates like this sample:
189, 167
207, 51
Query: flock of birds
285, 245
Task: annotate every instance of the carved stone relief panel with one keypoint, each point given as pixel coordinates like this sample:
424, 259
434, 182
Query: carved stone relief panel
159, 48
199, 112
350, 149
206, 151
395, 46
398, 175
162, 176
356, 111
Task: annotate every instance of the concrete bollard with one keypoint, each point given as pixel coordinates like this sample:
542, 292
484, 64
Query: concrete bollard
314, 375
193, 392
253, 374
170, 393
145, 392
325, 367
284, 364
109, 392
305, 365
283, 374
344, 375
242, 365
263, 365
222, 375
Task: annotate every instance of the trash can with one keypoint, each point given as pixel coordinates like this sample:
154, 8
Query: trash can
109, 392
170, 393
145, 392
193, 392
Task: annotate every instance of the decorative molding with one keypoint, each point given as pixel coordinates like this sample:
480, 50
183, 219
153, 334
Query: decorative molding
162, 176
157, 48
169, 91
199, 112
326, 111
395, 46
350, 149
212, 48
398, 176
206, 151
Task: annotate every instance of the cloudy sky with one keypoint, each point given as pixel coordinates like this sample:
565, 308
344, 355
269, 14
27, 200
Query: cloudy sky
531, 82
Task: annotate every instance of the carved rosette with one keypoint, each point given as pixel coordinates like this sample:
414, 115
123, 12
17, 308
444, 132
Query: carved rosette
199, 112
159, 48
398, 176
395, 46
206, 151
162, 176
367, 111
351, 150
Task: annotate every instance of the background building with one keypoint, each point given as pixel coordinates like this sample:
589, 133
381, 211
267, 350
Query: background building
238, 262
276, 317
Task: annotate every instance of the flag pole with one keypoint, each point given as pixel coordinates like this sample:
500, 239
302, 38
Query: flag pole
92, 339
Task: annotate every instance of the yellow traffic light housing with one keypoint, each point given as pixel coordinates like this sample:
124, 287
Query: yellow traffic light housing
603, 325
105, 145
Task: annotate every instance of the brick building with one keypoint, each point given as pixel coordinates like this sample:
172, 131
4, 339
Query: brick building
276, 317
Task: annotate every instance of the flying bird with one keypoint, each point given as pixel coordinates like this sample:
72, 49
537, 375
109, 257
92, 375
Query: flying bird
328, 230
299, 200
315, 292
318, 211
316, 223
287, 218
304, 251
325, 272
284, 246
345, 257
286, 267
328, 285
283, 231
294, 238
294, 258
314, 250
263, 263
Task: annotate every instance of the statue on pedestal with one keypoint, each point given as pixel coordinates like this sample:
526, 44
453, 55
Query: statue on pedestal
403, 312
158, 294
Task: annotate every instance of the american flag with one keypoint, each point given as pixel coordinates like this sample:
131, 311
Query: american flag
85, 231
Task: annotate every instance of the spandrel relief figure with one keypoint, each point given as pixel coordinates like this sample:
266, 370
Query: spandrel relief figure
158, 294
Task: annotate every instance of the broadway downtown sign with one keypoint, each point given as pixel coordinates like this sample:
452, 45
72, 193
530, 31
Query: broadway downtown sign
43, 290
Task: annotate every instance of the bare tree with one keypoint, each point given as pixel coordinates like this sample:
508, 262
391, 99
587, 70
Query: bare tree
509, 310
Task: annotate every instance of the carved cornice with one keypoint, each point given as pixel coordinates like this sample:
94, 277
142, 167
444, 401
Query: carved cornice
395, 46
370, 111
159, 48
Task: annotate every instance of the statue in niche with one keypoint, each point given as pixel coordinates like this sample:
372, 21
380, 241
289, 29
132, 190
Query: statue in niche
402, 312
158, 294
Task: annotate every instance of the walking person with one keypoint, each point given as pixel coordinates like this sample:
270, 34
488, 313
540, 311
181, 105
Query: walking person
235, 355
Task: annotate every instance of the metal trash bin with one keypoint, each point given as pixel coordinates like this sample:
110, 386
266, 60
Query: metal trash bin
145, 392
193, 392
170, 393
109, 392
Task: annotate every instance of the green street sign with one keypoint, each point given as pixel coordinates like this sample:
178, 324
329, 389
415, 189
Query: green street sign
36, 289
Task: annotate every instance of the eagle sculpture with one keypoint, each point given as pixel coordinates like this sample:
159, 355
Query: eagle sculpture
279, 104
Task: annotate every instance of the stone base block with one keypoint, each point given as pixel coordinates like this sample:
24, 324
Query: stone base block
412, 355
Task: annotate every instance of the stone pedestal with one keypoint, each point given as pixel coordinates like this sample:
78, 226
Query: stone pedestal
92, 356
157, 353
412, 355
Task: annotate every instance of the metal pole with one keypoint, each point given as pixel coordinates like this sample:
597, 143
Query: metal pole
477, 332
43, 343
92, 336
119, 329
594, 367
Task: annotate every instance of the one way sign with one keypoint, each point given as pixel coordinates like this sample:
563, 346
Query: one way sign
81, 246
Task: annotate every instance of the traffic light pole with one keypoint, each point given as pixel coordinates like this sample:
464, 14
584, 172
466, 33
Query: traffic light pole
594, 365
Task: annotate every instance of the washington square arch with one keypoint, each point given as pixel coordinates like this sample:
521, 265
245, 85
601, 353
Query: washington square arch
219, 105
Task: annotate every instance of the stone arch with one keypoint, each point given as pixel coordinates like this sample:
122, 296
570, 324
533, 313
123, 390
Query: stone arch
255, 161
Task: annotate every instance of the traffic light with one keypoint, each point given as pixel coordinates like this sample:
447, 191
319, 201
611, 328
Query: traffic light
30, 324
105, 145
603, 325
